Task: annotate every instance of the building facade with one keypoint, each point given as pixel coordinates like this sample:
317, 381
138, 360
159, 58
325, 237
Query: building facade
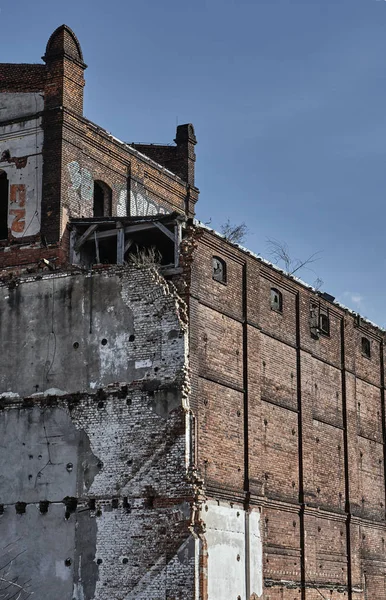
179, 419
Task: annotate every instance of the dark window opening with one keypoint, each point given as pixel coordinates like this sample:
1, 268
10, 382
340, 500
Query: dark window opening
324, 323
4, 185
219, 269
276, 300
366, 347
102, 200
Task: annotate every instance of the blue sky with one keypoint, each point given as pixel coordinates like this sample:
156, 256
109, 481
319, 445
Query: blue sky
288, 100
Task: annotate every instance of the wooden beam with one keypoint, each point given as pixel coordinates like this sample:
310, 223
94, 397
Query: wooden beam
130, 229
97, 249
164, 230
74, 255
84, 236
177, 242
120, 245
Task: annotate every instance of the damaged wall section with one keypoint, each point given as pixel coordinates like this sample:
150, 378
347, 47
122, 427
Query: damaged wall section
95, 502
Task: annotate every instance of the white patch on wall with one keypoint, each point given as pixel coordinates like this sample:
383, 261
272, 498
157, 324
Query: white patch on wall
21, 146
234, 547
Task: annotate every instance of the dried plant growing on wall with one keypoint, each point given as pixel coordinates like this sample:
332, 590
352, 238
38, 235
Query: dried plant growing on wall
234, 233
280, 254
145, 257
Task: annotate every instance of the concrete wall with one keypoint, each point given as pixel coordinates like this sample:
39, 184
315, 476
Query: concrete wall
21, 145
234, 548
94, 499
77, 333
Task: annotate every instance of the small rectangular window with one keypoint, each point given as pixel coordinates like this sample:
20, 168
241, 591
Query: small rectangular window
324, 322
276, 300
366, 347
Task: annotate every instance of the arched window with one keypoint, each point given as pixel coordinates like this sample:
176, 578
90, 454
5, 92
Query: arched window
219, 269
366, 347
102, 200
276, 300
4, 185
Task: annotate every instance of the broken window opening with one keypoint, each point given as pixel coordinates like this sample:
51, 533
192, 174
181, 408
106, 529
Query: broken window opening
219, 269
4, 195
276, 300
324, 323
366, 347
102, 206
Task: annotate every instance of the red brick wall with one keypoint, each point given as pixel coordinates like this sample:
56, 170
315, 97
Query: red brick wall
313, 424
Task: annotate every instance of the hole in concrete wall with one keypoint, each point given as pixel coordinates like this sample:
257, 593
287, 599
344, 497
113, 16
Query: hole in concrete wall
101, 404
68, 562
149, 502
99, 561
75, 345
70, 504
132, 338
128, 402
43, 506
20, 508
4, 186
102, 200
104, 342
125, 560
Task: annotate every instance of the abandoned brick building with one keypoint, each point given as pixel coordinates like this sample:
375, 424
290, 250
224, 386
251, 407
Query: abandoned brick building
179, 419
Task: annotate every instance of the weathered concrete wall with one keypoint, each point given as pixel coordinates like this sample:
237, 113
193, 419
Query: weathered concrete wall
77, 333
234, 549
93, 486
21, 145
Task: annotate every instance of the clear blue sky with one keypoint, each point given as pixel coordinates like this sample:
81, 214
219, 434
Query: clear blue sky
288, 99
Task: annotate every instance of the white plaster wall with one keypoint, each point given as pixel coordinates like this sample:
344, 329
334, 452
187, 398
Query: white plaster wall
234, 552
23, 139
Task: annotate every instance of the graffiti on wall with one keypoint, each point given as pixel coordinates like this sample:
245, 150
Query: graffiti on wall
141, 205
121, 192
81, 189
21, 144
82, 183
17, 197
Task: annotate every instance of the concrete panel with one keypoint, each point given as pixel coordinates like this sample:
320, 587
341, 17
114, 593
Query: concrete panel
234, 549
43, 456
69, 334
38, 546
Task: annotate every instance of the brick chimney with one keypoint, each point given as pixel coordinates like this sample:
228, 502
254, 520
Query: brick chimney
65, 71
186, 140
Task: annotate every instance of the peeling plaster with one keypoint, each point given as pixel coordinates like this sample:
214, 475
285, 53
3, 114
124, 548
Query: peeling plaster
21, 145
